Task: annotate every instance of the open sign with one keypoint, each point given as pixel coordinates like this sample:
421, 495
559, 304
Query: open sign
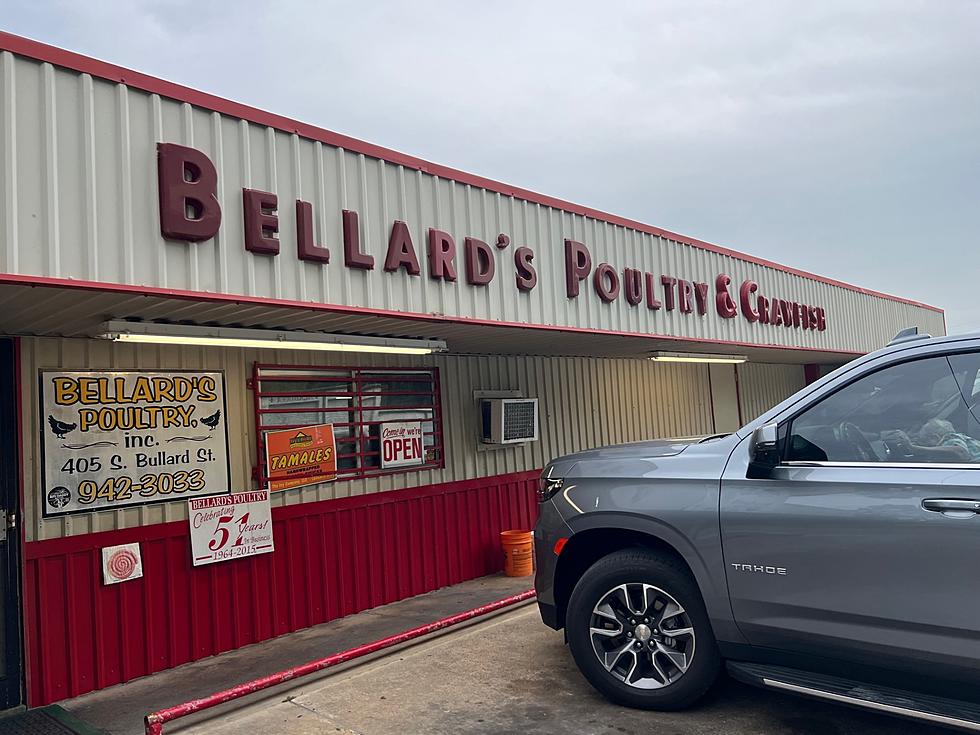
401, 444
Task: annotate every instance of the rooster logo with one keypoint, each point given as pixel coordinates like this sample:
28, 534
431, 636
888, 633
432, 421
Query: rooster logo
60, 428
212, 421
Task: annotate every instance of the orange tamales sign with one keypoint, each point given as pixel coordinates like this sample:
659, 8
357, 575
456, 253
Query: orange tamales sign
298, 457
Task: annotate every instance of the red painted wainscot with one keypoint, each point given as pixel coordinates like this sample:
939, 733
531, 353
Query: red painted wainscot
332, 558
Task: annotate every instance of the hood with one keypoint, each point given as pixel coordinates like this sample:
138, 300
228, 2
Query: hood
645, 449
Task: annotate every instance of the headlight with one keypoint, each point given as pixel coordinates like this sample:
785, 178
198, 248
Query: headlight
547, 487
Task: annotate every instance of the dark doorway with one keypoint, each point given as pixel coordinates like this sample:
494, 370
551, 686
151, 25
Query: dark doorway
10, 637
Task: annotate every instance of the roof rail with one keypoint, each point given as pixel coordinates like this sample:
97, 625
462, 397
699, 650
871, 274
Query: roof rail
909, 334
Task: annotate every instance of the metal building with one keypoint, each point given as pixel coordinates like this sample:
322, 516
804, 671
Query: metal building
154, 240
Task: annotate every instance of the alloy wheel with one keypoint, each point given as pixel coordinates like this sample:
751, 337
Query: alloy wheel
642, 635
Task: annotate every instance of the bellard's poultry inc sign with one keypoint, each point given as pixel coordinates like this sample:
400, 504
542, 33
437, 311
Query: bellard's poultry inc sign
122, 438
190, 212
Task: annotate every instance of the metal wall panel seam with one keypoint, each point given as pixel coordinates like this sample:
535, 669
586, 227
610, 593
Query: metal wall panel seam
89, 174
8, 154
51, 217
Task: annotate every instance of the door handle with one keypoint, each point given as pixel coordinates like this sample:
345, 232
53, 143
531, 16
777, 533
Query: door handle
954, 507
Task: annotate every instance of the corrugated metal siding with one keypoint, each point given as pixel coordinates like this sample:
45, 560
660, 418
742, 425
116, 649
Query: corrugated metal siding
80, 202
763, 386
331, 559
583, 402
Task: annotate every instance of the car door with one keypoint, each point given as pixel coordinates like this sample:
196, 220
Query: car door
864, 543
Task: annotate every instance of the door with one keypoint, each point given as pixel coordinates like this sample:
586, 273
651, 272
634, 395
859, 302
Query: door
864, 543
10, 637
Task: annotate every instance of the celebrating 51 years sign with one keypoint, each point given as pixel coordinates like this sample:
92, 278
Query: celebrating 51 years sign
230, 527
112, 439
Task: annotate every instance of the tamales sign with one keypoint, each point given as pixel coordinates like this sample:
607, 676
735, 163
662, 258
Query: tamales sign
299, 457
112, 439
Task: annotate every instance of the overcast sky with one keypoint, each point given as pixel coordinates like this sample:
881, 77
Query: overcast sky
841, 137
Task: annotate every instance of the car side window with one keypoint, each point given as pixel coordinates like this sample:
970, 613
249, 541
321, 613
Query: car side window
921, 411
966, 368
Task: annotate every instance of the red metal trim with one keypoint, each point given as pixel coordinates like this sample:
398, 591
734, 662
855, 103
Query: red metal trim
327, 394
420, 369
329, 409
155, 721
27, 620
104, 70
42, 281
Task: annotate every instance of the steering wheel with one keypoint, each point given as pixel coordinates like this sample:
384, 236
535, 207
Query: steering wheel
850, 433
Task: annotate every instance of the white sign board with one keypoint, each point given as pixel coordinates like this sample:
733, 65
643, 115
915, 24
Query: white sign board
401, 444
112, 439
230, 526
121, 563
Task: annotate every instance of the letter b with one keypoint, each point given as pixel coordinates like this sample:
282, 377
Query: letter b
189, 208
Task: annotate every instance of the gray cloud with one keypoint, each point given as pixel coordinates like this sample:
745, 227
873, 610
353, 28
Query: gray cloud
838, 137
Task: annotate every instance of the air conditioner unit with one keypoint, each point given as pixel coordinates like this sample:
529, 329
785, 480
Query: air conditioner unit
509, 420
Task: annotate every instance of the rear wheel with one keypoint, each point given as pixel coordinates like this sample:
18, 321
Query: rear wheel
639, 632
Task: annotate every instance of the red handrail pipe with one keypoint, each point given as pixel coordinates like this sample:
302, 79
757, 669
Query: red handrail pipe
154, 722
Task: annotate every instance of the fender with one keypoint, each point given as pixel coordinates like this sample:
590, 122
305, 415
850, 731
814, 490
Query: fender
704, 559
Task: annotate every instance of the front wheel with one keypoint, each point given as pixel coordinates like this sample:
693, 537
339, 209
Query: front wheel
639, 632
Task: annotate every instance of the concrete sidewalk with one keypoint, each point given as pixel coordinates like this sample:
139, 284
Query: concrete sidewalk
511, 674
119, 710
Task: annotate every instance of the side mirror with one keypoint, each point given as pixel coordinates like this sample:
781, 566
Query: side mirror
763, 451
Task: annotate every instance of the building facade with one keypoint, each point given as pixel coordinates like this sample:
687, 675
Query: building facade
155, 239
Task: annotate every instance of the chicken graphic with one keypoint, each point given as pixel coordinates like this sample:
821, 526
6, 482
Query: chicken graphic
212, 421
60, 428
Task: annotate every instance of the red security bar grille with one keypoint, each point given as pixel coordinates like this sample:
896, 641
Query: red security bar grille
357, 401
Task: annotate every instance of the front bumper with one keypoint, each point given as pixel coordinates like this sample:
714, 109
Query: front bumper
550, 527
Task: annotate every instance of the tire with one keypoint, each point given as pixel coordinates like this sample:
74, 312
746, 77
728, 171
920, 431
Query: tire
656, 680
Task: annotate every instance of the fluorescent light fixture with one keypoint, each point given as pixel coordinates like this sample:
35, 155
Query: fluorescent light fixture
180, 334
697, 357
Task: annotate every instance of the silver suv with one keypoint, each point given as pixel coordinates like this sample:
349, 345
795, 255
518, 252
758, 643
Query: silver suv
829, 548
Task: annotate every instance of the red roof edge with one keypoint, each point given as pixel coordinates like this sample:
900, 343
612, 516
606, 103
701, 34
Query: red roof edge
104, 70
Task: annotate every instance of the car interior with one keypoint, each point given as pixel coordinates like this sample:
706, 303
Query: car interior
897, 414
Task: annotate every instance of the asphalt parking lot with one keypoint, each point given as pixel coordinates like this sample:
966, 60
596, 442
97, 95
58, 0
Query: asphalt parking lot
510, 674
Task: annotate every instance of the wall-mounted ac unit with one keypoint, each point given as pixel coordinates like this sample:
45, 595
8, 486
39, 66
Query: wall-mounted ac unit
509, 420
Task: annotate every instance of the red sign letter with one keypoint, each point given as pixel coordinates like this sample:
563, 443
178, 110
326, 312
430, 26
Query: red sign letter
724, 304
578, 264
527, 277
353, 257
188, 185
685, 290
668, 282
652, 301
479, 262
306, 247
745, 290
261, 222
821, 319
401, 251
633, 282
442, 253
701, 297
606, 282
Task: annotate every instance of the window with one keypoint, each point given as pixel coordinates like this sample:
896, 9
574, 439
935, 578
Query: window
357, 402
922, 411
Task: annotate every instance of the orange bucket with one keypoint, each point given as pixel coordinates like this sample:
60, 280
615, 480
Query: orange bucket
518, 553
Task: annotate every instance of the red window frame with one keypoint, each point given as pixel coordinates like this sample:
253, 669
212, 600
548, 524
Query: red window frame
357, 378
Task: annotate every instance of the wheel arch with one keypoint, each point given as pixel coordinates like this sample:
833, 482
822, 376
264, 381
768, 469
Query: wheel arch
603, 536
